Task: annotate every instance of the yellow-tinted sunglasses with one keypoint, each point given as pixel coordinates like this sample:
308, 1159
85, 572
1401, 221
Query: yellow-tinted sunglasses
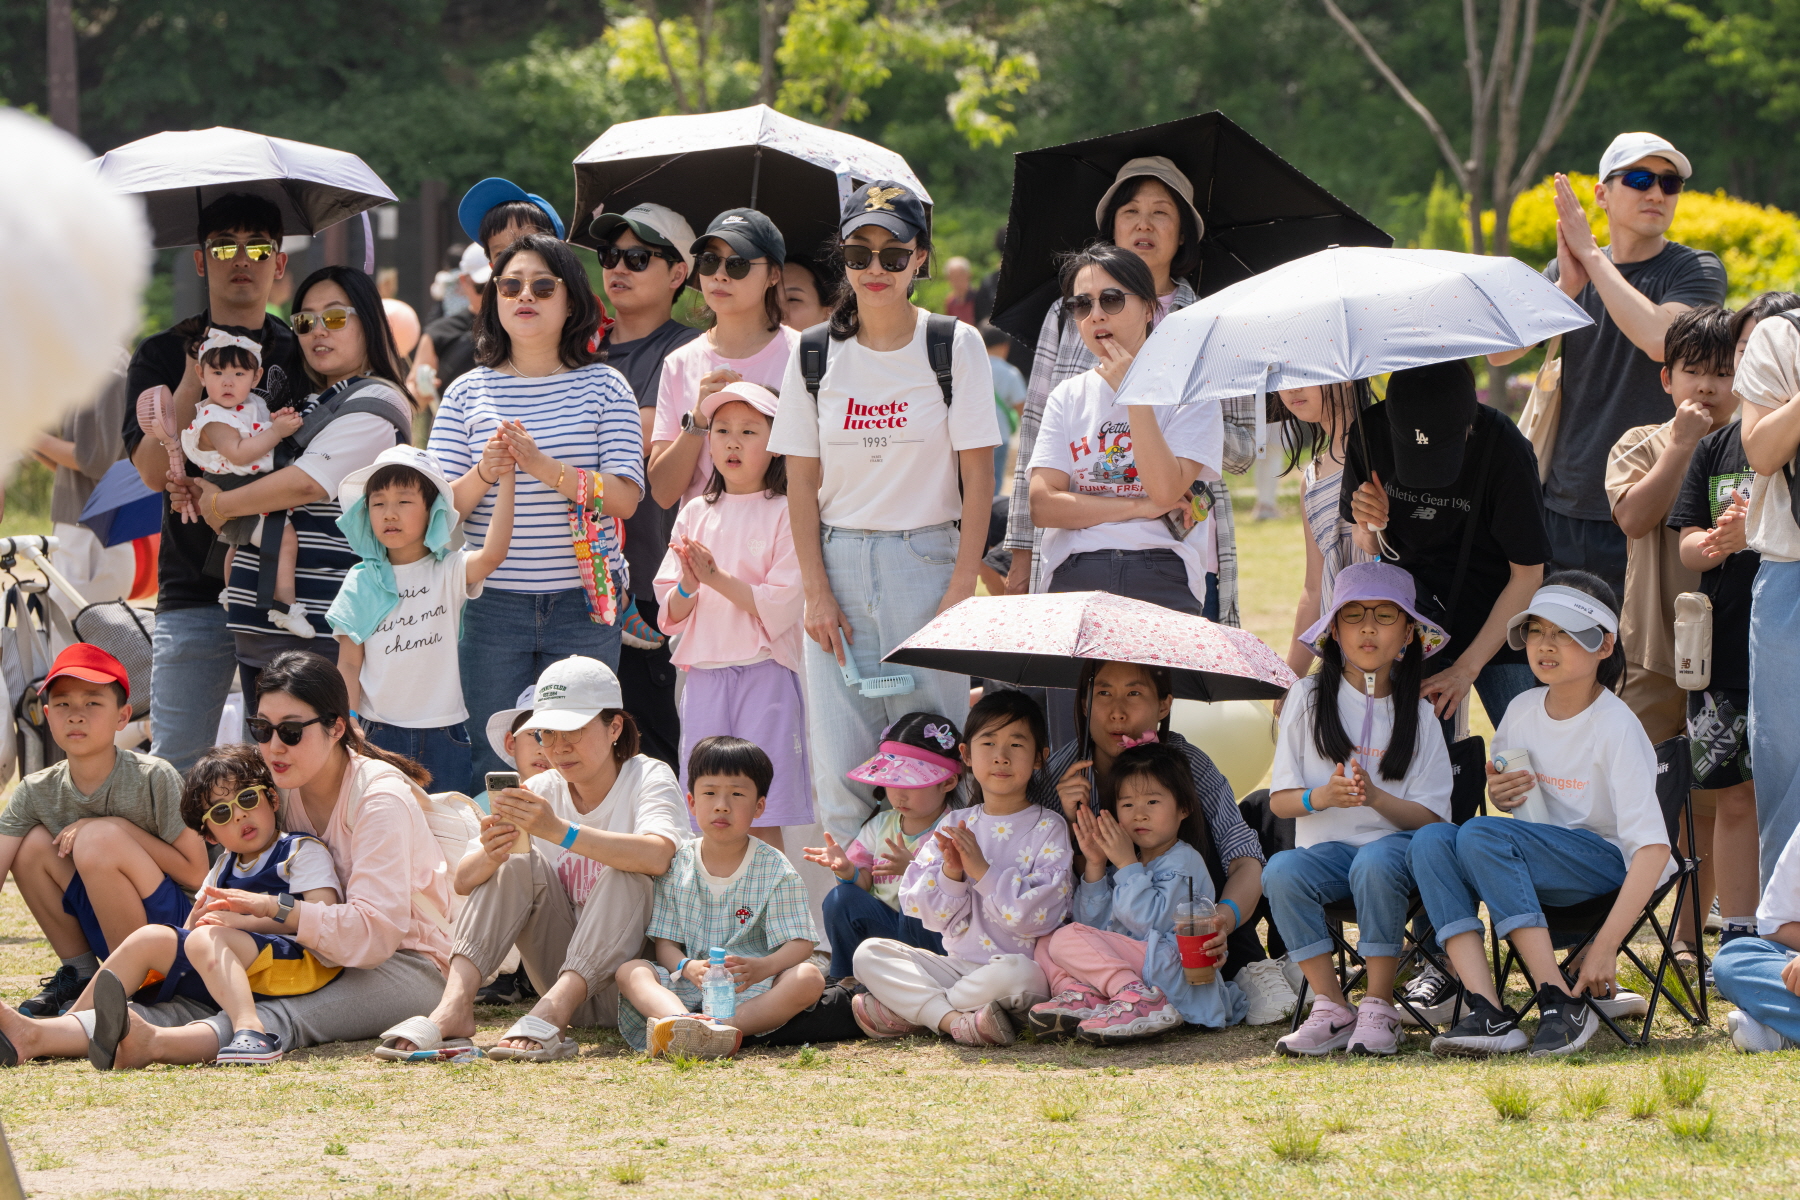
333, 319
254, 251
248, 800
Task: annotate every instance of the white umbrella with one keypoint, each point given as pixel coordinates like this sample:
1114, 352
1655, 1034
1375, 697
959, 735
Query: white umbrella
179, 173
799, 175
1350, 312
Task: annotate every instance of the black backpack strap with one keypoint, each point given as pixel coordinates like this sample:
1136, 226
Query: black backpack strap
940, 350
813, 344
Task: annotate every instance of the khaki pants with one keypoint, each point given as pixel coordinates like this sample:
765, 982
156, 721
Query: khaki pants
924, 987
523, 903
1656, 700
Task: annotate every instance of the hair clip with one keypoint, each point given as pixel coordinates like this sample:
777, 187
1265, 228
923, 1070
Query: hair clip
943, 735
1126, 741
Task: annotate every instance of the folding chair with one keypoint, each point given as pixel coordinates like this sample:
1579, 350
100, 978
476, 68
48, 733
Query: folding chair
1468, 798
1582, 922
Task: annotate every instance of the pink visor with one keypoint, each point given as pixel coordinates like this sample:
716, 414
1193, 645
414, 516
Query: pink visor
898, 765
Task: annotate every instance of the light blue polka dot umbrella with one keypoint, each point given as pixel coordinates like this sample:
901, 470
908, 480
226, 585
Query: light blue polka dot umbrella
1351, 312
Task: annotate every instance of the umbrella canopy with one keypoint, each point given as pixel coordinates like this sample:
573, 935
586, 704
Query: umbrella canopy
1259, 211
121, 508
1343, 314
179, 173
1044, 641
798, 175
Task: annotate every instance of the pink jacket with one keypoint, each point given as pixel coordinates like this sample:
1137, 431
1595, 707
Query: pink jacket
750, 538
388, 860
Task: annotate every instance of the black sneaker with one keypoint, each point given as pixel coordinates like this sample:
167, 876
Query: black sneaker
506, 989
60, 990
1565, 1022
1484, 1030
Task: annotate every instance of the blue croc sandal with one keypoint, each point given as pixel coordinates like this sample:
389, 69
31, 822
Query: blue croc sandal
250, 1048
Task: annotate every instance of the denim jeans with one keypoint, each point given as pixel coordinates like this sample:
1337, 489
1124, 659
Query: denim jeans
1515, 867
888, 584
445, 751
1302, 881
1774, 682
852, 916
193, 658
1748, 973
508, 640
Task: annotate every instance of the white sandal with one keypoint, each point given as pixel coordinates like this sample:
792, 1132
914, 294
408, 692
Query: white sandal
552, 1046
428, 1041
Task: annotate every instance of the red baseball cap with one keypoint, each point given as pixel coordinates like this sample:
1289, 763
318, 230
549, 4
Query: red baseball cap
84, 660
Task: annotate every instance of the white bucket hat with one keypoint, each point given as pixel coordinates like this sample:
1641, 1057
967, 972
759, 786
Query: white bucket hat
500, 724
351, 489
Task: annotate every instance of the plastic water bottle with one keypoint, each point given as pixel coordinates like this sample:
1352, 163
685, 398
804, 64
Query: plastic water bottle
718, 990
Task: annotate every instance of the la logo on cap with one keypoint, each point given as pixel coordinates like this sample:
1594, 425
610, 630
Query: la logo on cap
1419, 435
879, 199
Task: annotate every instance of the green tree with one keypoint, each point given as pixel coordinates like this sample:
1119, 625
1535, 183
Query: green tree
1754, 43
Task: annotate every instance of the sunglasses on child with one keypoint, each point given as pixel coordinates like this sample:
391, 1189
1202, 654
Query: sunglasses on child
893, 258
254, 251
290, 732
1112, 303
637, 259
511, 287
247, 800
736, 267
1640, 181
333, 319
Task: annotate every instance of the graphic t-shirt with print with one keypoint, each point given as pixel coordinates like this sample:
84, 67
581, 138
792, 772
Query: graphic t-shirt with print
410, 674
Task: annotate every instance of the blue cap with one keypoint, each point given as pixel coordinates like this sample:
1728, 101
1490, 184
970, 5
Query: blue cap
717, 956
489, 194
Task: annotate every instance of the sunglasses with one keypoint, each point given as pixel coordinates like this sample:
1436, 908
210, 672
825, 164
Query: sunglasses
737, 266
1112, 303
248, 800
290, 731
254, 251
1353, 614
635, 258
511, 287
333, 319
1640, 181
893, 258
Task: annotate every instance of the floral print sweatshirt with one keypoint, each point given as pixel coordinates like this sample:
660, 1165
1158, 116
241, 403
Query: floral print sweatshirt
1024, 895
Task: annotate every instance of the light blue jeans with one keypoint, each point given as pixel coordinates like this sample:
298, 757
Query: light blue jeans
193, 659
508, 639
888, 585
1774, 682
1748, 973
1515, 867
1301, 882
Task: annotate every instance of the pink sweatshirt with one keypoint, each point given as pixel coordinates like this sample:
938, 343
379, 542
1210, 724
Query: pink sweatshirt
384, 853
750, 538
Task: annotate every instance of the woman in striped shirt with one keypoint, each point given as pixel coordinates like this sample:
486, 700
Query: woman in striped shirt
539, 400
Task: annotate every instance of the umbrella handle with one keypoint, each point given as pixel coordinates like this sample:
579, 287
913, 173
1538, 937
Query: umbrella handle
368, 245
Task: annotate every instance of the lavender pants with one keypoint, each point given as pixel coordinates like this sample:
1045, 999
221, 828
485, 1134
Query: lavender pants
759, 703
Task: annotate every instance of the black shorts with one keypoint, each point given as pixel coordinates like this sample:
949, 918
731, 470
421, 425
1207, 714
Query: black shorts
1718, 724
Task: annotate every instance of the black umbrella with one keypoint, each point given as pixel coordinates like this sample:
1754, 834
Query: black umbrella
1260, 211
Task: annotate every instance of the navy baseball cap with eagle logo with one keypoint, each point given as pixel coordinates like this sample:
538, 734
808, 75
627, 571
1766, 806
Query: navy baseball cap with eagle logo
1430, 411
892, 206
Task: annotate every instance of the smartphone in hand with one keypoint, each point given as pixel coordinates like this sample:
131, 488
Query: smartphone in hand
497, 782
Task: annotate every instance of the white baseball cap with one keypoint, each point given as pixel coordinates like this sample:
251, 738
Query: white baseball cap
754, 394
1627, 148
474, 264
500, 724
655, 225
571, 693
1574, 612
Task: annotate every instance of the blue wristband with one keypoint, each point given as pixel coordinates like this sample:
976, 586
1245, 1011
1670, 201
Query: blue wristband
683, 592
568, 842
1306, 799
1235, 911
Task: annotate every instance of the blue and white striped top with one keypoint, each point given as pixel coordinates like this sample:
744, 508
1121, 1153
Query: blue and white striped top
586, 418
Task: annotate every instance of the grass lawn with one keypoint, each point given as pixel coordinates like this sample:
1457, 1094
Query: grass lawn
1191, 1114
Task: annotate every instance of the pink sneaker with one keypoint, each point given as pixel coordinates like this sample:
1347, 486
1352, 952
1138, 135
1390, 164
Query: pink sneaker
877, 1020
1138, 1011
984, 1026
1327, 1028
1057, 1017
1377, 1028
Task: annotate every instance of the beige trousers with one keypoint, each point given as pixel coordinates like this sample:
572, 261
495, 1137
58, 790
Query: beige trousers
523, 903
924, 987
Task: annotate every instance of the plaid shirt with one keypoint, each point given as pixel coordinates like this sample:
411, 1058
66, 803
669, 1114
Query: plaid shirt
1233, 838
1061, 355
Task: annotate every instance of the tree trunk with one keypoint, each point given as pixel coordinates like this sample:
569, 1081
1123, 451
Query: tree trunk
65, 87
702, 35
662, 49
769, 19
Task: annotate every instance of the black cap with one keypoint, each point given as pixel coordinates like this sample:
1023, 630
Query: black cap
748, 232
1429, 411
893, 206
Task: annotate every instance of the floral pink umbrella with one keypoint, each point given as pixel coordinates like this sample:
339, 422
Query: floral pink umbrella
1043, 641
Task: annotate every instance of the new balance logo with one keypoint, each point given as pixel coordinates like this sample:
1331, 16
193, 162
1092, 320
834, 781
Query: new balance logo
1424, 513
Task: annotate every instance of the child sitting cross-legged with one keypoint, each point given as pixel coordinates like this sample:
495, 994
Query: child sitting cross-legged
729, 890
224, 957
1584, 822
1117, 972
915, 773
992, 882
1761, 973
1361, 713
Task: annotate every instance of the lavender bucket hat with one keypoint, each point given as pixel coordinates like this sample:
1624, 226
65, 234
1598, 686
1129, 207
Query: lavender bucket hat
1372, 583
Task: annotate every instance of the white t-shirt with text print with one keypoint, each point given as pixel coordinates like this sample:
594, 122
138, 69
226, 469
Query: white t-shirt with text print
410, 674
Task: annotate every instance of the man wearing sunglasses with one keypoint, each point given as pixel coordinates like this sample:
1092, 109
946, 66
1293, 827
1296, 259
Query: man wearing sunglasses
645, 260
1634, 288
240, 259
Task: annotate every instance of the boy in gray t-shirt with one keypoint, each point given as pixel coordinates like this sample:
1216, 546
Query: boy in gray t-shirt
96, 842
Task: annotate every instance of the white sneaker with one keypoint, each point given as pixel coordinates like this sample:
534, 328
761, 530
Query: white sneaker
1752, 1036
1291, 972
293, 620
1265, 986
1623, 1004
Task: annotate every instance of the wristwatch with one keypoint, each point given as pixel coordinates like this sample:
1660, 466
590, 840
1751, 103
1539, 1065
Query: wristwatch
689, 425
284, 906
